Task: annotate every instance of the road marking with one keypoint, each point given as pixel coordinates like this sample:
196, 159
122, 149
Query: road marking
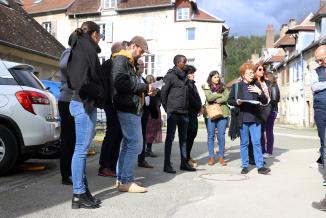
296, 136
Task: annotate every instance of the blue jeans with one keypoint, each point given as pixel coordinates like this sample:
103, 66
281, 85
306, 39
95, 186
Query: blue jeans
320, 119
132, 145
220, 125
85, 130
174, 120
255, 133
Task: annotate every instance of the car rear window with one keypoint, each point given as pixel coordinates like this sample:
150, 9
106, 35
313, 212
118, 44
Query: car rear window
26, 78
7, 81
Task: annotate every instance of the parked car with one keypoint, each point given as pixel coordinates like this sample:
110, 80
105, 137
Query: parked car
29, 121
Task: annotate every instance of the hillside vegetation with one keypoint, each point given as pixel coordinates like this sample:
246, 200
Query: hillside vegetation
239, 50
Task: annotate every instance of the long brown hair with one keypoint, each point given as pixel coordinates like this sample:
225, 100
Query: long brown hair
220, 86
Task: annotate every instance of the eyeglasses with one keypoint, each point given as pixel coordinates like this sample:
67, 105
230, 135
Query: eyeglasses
260, 69
320, 60
250, 73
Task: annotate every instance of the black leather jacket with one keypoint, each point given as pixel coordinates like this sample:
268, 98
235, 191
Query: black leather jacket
274, 92
128, 88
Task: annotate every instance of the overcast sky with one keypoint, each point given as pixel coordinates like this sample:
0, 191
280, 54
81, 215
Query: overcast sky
250, 17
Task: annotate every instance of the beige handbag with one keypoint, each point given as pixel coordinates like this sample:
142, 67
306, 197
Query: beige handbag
214, 111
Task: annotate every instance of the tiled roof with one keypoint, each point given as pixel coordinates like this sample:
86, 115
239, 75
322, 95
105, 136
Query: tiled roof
285, 41
202, 15
142, 4
320, 13
300, 28
21, 31
85, 7
275, 58
46, 5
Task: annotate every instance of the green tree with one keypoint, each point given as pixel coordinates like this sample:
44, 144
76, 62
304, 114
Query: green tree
239, 50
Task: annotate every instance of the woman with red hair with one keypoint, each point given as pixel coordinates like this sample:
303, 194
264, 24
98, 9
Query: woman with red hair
246, 96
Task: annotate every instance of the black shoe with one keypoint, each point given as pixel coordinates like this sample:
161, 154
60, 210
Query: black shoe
252, 162
244, 170
186, 167
169, 169
66, 181
319, 160
150, 154
264, 170
92, 198
144, 164
83, 201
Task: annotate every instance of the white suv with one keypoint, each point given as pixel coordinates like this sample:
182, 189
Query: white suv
28, 114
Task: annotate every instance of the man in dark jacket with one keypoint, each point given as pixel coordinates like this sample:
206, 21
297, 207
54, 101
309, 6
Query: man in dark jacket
128, 100
175, 101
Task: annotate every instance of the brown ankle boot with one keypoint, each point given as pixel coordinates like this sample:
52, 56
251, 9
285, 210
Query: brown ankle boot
222, 162
211, 161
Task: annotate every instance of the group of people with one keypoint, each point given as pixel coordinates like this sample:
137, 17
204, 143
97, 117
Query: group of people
132, 107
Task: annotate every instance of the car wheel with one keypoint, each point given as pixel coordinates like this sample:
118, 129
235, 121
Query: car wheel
8, 150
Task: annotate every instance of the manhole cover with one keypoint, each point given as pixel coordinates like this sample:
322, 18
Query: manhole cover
224, 177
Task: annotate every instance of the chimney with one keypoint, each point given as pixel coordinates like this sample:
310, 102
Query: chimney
283, 30
270, 36
292, 23
322, 3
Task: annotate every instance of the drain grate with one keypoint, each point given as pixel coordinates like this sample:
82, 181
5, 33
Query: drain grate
224, 176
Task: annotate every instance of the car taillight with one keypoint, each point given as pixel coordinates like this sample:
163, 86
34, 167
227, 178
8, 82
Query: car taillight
28, 98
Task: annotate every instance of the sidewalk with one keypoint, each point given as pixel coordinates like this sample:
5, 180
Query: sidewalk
212, 191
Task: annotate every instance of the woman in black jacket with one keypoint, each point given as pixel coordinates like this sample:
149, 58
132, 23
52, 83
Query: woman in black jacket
83, 68
269, 126
248, 99
195, 107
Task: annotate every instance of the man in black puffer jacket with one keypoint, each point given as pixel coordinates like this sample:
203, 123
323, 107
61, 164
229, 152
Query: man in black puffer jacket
175, 101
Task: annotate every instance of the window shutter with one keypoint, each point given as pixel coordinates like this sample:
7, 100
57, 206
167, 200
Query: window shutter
158, 65
54, 28
109, 31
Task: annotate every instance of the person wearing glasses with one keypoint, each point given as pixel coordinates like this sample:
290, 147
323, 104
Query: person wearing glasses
247, 99
129, 100
318, 86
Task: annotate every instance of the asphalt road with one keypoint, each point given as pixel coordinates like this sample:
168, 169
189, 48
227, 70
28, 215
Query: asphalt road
212, 191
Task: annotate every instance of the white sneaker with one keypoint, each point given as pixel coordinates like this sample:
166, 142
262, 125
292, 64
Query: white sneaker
266, 155
315, 165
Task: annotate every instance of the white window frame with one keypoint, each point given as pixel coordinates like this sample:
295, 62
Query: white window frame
102, 30
149, 61
47, 26
183, 14
188, 32
108, 4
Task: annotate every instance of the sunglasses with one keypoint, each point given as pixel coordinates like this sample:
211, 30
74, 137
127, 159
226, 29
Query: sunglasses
260, 69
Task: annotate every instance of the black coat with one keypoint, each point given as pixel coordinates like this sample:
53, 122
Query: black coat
84, 64
195, 103
274, 93
129, 89
253, 108
174, 93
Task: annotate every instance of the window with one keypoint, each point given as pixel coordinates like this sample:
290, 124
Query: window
106, 31
191, 33
183, 14
191, 61
102, 30
149, 64
110, 4
47, 26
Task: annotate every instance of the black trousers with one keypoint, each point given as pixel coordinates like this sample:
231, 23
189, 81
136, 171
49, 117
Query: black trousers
113, 136
67, 137
174, 120
191, 132
144, 120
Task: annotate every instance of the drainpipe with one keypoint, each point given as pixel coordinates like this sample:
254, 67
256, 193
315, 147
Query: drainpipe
303, 89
